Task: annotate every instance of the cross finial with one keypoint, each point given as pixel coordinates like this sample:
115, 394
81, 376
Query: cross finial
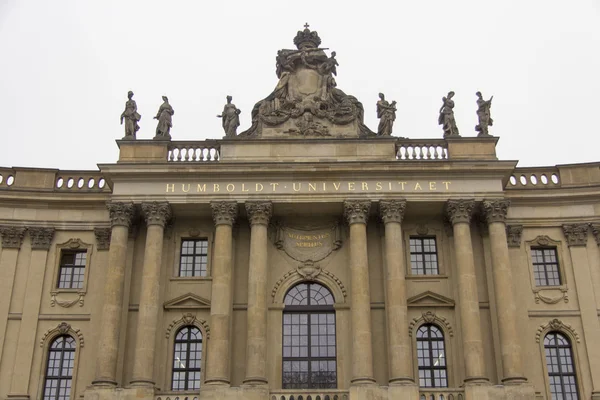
306, 25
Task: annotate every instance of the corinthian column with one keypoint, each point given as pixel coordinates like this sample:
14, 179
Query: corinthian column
459, 213
357, 215
259, 214
156, 215
121, 215
400, 355
217, 363
512, 368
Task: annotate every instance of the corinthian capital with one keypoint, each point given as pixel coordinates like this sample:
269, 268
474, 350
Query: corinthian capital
156, 213
224, 212
121, 214
357, 211
259, 212
596, 232
392, 210
460, 210
12, 236
495, 210
41, 238
102, 238
513, 235
576, 234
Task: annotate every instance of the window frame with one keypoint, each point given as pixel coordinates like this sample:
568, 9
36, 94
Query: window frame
71, 245
201, 369
73, 267
59, 378
432, 368
309, 310
189, 233
548, 294
422, 238
427, 230
194, 255
574, 360
546, 265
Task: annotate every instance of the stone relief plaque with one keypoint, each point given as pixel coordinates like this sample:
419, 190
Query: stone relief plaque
308, 243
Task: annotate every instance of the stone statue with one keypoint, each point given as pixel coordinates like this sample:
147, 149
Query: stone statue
386, 113
483, 113
329, 66
446, 118
231, 118
164, 114
131, 117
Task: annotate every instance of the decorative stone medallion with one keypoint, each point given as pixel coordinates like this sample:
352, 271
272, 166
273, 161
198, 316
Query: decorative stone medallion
308, 243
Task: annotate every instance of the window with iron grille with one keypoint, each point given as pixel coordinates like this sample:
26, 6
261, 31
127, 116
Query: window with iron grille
561, 370
193, 258
545, 266
72, 269
59, 369
423, 256
309, 348
431, 356
187, 359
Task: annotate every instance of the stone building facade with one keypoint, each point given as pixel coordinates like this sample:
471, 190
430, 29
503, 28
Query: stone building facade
323, 266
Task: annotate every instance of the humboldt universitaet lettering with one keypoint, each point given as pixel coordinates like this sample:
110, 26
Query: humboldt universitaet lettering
308, 187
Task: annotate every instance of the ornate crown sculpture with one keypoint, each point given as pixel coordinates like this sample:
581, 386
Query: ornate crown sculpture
306, 38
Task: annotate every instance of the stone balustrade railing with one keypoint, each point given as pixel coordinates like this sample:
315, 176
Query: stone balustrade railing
309, 394
177, 396
441, 394
80, 181
421, 149
534, 178
7, 177
194, 151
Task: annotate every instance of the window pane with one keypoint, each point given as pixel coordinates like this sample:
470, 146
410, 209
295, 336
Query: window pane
545, 266
560, 367
187, 359
423, 256
431, 357
193, 260
59, 368
72, 269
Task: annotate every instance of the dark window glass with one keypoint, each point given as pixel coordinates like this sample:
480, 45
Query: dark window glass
72, 269
59, 369
187, 359
545, 266
193, 258
423, 256
431, 356
309, 348
561, 370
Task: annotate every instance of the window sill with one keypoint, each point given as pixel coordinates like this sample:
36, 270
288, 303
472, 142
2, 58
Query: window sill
190, 278
426, 278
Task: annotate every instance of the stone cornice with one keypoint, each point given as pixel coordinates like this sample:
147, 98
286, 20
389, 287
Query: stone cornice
102, 238
495, 210
121, 214
41, 238
357, 211
156, 213
259, 212
596, 232
392, 210
12, 236
460, 210
513, 235
224, 212
576, 234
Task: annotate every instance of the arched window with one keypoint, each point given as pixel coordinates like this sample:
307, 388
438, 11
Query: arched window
187, 358
59, 369
309, 353
431, 356
561, 370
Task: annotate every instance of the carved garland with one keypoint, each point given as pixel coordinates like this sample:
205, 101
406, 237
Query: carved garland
62, 329
429, 317
550, 300
296, 272
556, 325
189, 319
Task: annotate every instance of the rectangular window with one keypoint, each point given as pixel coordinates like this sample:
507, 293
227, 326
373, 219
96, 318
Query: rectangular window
423, 256
193, 259
545, 266
72, 269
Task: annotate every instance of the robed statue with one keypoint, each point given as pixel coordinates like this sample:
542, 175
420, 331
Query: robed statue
131, 117
231, 118
483, 114
165, 123
386, 113
446, 118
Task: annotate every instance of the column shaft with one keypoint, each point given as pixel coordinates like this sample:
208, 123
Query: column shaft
218, 357
110, 325
357, 214
399, 349
256, 348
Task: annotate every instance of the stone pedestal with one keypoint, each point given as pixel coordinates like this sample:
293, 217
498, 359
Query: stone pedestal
218, 358
357, 215
156, 216
259, 214
121, 215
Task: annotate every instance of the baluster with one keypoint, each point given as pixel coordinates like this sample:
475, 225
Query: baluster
179, 154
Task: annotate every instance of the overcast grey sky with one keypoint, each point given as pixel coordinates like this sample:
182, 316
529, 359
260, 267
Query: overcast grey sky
66, 67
